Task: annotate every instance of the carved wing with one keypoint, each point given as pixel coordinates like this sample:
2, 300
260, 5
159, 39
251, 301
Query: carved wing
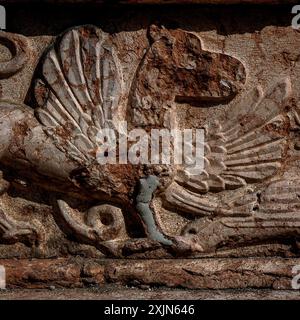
79, 91
248, 149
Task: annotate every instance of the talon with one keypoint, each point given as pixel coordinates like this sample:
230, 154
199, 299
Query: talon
19, 231
184, 244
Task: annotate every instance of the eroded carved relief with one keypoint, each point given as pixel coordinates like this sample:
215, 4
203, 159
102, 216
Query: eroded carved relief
244, 195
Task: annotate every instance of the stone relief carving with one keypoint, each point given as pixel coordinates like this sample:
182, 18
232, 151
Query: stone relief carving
19, 47
244, 195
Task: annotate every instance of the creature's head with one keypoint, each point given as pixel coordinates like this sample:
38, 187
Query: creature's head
190, 72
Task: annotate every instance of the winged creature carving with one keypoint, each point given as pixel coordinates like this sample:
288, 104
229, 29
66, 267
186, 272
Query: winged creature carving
81, 88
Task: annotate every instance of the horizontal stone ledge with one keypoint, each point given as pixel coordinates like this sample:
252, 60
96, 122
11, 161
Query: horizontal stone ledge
223, 273
45, 273
160, 2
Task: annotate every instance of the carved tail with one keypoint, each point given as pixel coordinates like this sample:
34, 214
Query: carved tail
19, 47
102, 226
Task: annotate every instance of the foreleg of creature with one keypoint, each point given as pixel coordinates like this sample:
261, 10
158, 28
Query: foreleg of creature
147, 188
109, 237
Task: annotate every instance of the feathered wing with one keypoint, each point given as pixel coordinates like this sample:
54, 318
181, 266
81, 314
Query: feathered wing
248, 148
79, 91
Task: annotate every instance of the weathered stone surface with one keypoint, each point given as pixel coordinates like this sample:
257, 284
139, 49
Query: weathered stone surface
213, 273
233, 73
206, 274
58, 272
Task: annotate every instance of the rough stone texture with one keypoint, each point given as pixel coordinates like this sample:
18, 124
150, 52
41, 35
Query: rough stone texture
56, 272
214, 273
206, 274
232, 71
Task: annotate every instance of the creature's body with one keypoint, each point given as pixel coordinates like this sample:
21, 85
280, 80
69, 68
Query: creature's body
81, 90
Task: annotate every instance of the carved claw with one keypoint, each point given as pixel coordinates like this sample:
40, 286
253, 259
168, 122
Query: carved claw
178, 243
13, 231
186, 245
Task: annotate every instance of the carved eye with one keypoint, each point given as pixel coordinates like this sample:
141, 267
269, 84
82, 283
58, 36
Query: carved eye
106, 218
192, 231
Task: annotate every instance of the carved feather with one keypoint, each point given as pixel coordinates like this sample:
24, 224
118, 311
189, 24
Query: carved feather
82, 84
249, 150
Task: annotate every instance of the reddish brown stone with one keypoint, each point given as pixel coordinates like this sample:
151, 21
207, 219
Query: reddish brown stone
231, 69
205, 273
45, 273
274, 273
